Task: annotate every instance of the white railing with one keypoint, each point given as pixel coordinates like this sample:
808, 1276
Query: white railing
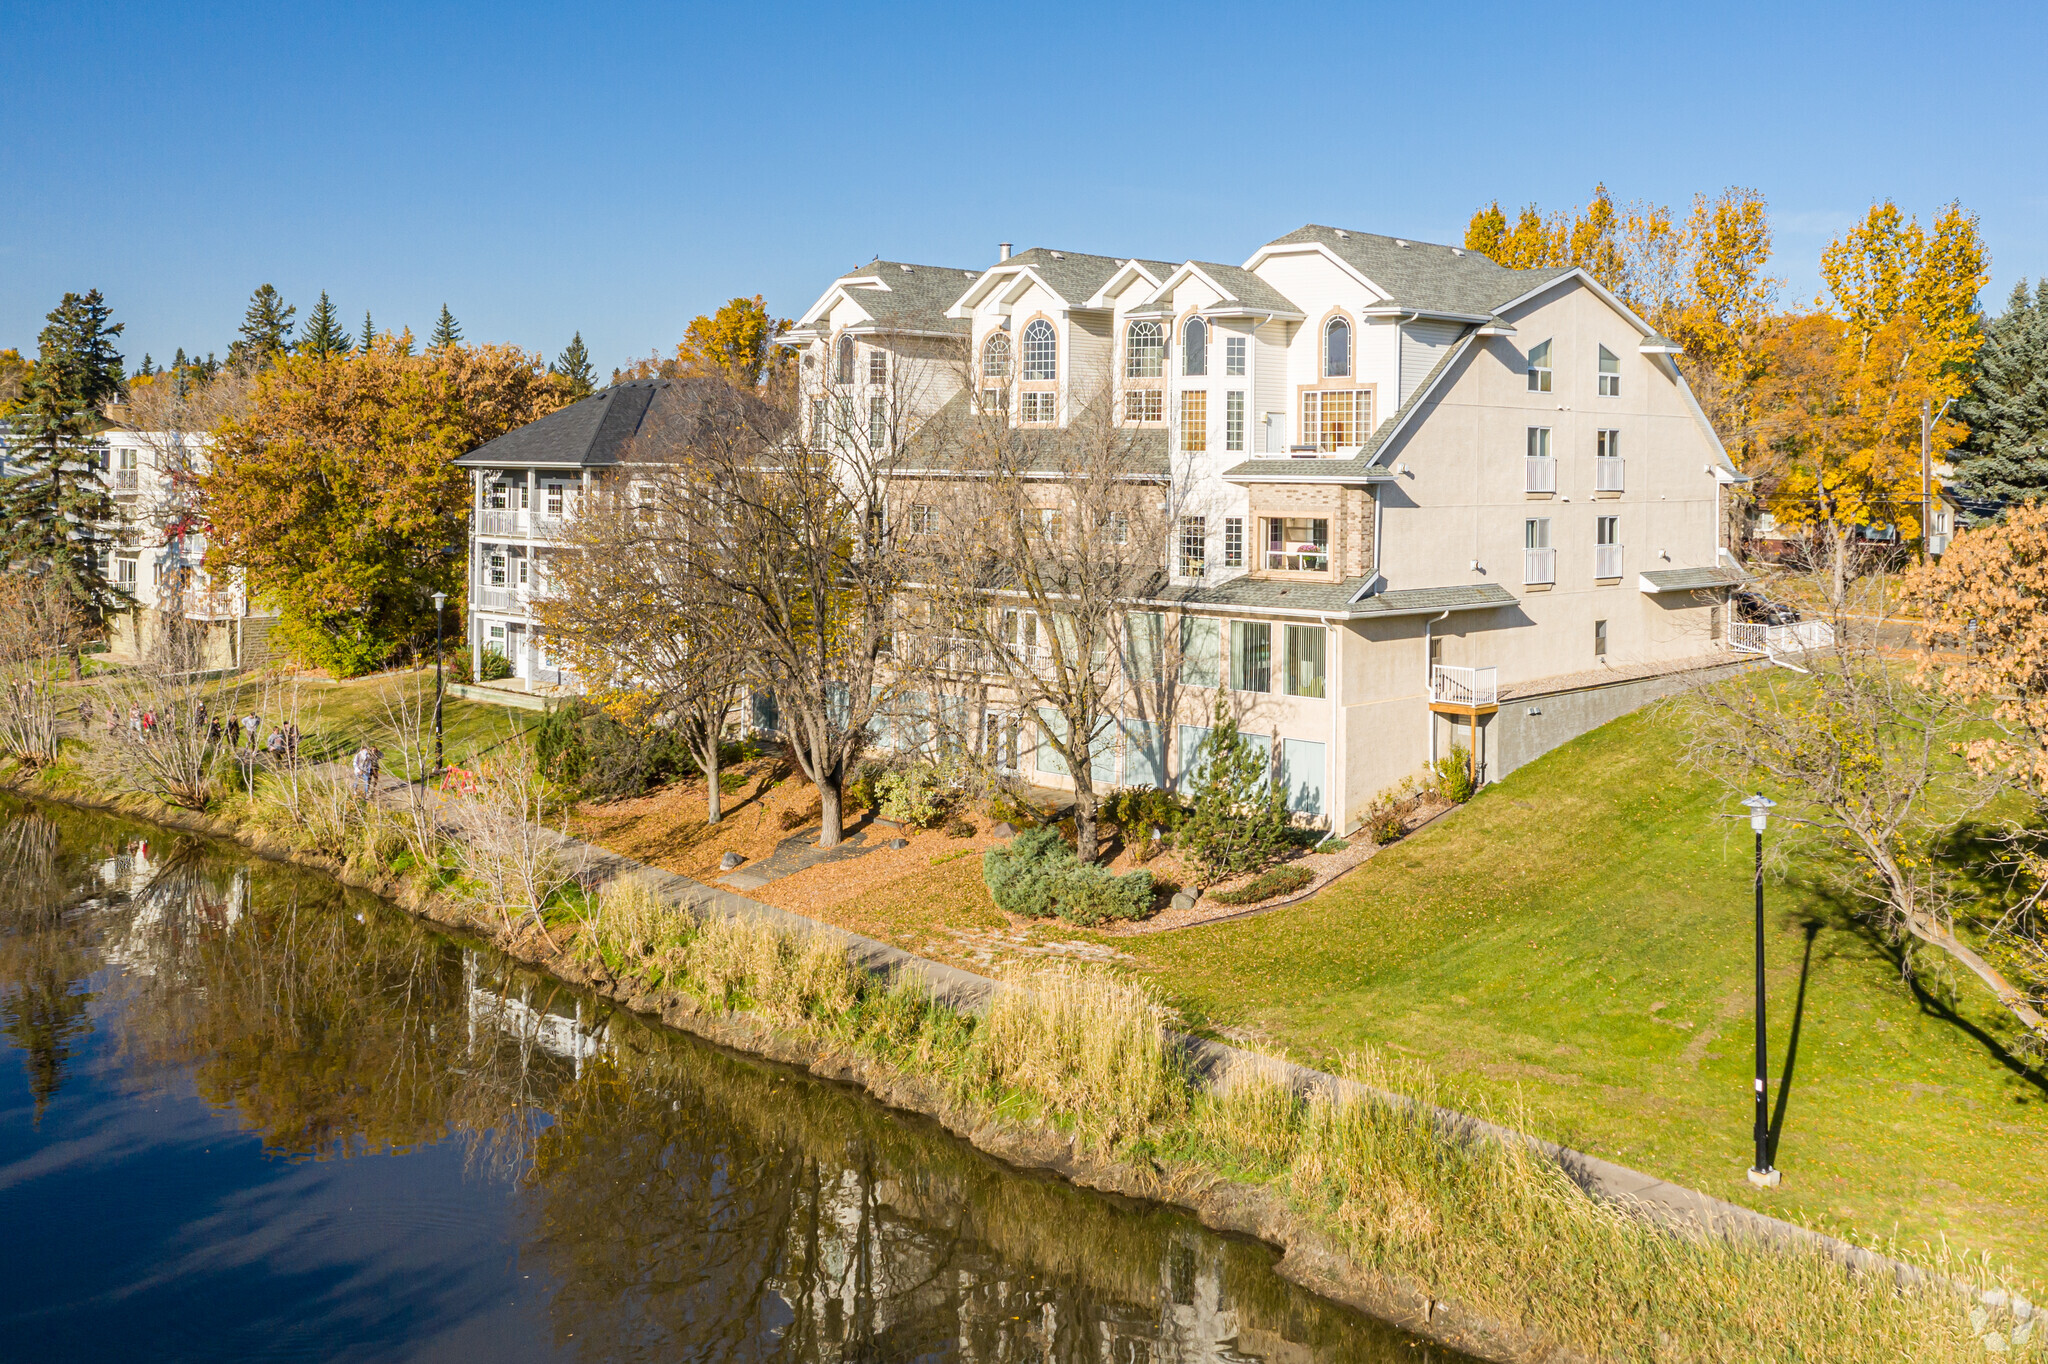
1541, 475
1607, 473
1539, 566
209, 604
1607, 561
501, 523
1463, 686
122, 480
496, 599
1751, 637
547, 527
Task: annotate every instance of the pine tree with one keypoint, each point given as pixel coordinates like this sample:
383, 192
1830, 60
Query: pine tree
324, 336
2005, 457
1239, 823
54, 510
369, 333
266, 328
573, 364
447, 332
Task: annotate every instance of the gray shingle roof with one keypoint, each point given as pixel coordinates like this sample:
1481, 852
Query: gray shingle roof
1690, 579
1361, 466
1334, 599
917, 296
1414, 601
1075, 276
1420, 275
591, 432
1246, 287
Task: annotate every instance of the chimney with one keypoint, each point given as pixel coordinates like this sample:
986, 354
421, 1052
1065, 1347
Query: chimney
1002, 250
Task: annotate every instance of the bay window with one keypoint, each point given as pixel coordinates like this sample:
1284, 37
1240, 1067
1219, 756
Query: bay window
1298, 544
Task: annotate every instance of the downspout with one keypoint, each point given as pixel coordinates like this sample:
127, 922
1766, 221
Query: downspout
1330, 764
1428, 681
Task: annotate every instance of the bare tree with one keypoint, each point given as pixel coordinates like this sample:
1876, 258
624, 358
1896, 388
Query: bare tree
1864, 762
174, 414
177, 749
39, 624
1039, 551
512, 862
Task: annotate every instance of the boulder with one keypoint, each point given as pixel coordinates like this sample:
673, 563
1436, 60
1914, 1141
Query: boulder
1003, 830
729, 861
897, 843
1185, 900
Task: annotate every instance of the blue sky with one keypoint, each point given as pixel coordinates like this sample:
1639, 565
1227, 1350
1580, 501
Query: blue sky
619, 169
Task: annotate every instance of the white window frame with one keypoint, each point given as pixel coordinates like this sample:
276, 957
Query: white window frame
995, 357
1233, 542
1608, 470
1607, 546
1194, 421
1329, 367
1539, 367
1235, 351
1144, 405
1144, 350
1284, 552
878, 366
1539, 560
1610, 374
1233, 419
1320, 429
1038, 407
1539, 465
1194, 348
1192, 557
1041, 351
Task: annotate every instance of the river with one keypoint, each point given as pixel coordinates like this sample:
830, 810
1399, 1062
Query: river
252, 1115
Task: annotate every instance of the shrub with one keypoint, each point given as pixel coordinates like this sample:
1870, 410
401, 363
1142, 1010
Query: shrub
958, 827
1278, 881
1004, 807
1086, 894
858, 793
1331, 845
1383, 822
910, 795
1238, 823
1454, 776
1138, 810
495, 668
586, 749
1038, 877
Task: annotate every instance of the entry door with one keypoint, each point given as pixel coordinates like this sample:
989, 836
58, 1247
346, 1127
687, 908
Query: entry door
516, 651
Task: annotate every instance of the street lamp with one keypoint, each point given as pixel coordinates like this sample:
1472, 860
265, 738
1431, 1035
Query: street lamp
1761, 1174
440, 602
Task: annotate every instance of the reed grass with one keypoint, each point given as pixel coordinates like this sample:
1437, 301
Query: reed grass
1496, 1227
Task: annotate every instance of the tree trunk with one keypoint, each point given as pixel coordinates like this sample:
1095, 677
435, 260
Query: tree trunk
1084, 813
828, 808
708, 756
2011, 998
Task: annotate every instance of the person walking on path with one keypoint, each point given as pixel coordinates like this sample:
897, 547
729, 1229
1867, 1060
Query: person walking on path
276, 745
365, 768
135, 721
85, 715
252, 723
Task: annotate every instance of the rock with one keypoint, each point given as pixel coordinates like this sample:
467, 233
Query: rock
2021, 1308
1994, 1297
1184, 900
1003, 830
729, 861
897, 843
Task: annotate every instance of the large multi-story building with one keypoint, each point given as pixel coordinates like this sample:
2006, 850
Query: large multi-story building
1420, 500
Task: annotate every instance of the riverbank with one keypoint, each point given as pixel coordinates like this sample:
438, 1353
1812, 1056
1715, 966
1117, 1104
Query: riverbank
1373, 1204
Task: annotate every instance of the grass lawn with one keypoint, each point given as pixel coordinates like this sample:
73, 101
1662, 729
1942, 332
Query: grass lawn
1578, 938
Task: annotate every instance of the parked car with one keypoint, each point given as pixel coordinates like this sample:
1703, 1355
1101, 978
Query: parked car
1751, 606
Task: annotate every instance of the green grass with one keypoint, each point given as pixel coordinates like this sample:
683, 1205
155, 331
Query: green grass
336, 717
1579, 936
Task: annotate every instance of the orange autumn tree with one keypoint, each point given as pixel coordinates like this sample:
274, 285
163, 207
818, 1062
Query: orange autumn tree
334, 491
735, 344
1841, 407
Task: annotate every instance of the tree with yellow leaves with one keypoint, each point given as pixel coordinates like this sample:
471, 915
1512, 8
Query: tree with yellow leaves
735, 344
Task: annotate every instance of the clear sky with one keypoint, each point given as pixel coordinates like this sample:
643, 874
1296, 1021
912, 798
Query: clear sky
619, 170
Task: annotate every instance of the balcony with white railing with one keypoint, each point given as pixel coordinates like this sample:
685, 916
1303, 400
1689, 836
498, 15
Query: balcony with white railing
510, 523
1539, 566
1607, 561
1539, 474
1803, 636
212, 603
1464, 689
1607, 474
123, 481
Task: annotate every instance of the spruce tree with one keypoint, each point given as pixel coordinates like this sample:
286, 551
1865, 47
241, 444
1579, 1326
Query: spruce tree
2005, 457
369, 333
1239, 820
324, 336
573, 364
266, 328
54, 509
447, 332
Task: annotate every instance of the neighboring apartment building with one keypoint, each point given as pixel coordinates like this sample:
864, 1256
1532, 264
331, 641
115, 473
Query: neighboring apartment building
1423, 500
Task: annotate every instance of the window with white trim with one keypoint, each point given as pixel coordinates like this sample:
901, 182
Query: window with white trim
1144, 405
1599, 639
1233, 542
1194, 347
919, 519
1037, 407
844, 367
555, 499
1539, 561
1296, 544
1194, 546
1337, 349
878, 423
1234, 348
1607, 547
1539, 367
1607, 466
821, 422
494, 566
1335, 418
1540, 470
1144, 350
1041, 351
993, 403
878, 367
1610, 374
1194, 421
1052, 523
995, 357
1233, 419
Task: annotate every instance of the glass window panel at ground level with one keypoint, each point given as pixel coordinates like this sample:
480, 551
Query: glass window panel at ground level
1304, 671
1200, 649
1251, 655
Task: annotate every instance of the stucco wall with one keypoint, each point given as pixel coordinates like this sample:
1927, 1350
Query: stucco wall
1514, 737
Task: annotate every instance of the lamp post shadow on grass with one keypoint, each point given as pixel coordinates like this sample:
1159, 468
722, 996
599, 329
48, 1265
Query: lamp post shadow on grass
1777, 1127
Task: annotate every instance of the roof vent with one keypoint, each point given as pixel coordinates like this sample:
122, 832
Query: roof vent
904, 268
1057, 255
970, 274
1457, 250
1002, 250
1401, 242
1342, 233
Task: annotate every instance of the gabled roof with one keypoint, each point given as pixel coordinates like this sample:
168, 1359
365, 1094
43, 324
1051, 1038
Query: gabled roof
592, 432
1074, 277
1419, 276
899, 295
1236, 285
1364, 466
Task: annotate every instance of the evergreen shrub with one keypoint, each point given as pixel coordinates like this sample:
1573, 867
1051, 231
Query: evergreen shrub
1037, 876
1278, 881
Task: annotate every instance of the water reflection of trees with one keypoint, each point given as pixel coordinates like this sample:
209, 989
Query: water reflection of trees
689, 1204
47, 947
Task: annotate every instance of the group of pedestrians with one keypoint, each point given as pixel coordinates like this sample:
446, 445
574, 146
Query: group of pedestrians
235, 732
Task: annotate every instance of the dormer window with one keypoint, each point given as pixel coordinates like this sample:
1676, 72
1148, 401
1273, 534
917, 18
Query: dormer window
1337, 349
1539, 367
1610, 374
995, 358
1144, 351
844, 370
1194, 353
1041, 351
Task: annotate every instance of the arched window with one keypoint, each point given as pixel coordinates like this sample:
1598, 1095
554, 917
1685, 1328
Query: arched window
995, 358
1041, 351
1337, 349
1144, 351
845, 362
1194, 348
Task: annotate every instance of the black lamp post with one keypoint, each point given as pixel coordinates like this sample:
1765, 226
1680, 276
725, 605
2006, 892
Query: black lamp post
440, 602
1761, 1174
